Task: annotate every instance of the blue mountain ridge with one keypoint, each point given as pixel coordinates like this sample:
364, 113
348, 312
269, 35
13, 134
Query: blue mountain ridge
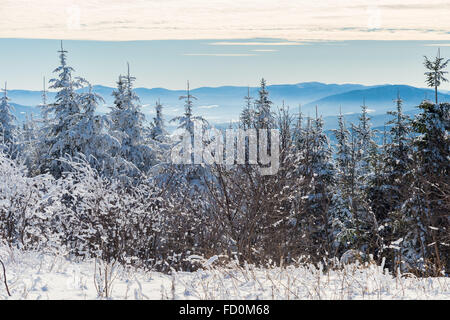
221, 105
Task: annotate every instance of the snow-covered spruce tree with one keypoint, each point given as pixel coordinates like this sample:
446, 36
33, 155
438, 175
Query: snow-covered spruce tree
425, 248
45, 124
301, 170
91, 133
391, 184
366, 161
341, 223
378, 204
158, 130
264, 117
161, 141
8, 127
44, 106
283, 122
66, 111
285, 227
322, 184
435, 73
186, 124
303, 150
247, 116
28, 131
186, 121
367, 146
341, 220
297, 132
397, 160
317, 170
343, 155
135, 154
263, 114
120, 93
28, 144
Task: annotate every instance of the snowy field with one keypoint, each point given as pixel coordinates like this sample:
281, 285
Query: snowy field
34, 275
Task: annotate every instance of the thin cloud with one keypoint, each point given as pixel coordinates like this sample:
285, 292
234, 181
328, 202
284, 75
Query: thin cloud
438, 45
264, 50
225, 43
213, 106
220, 54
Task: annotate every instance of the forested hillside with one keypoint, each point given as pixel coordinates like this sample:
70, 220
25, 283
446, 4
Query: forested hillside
103, 186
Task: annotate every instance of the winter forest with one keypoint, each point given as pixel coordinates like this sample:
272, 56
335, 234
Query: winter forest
101, 186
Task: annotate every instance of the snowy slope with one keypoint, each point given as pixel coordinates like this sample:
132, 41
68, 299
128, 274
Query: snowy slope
35, 275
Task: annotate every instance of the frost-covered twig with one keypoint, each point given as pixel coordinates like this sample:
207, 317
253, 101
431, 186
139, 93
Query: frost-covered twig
4, 278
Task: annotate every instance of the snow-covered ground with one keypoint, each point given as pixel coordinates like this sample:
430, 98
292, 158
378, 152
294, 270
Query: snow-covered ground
33, 275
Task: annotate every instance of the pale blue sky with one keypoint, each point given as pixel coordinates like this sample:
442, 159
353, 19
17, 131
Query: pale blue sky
169, 63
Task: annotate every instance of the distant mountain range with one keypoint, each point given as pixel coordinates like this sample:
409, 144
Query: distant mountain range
223, 104
378, 99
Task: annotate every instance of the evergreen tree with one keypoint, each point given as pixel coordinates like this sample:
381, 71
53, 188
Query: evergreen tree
186, 121
284, 120
391, 188
341, 223
367, 145
127, 127
158, 131
364, 154
435, 75
341, 219
248, 114
44, 128
343, 154
426, 211
8, 128
297, 134
319, 172
66, 111
368, 181
44, 106
120, 93
264, 115
304, 151
91, 132
397, 161
29, 144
